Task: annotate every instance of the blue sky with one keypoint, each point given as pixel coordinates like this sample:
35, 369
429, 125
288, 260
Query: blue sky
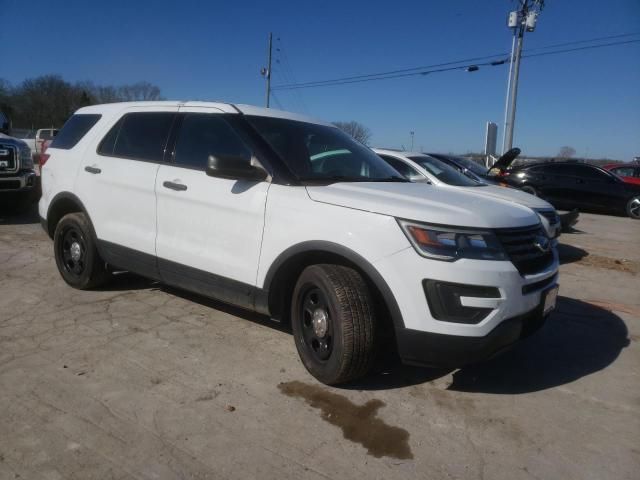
214, 50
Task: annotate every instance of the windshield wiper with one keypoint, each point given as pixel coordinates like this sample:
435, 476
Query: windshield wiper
392, 178
345, 178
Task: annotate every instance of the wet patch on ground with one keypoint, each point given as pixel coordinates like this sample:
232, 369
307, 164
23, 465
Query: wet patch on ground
359, 423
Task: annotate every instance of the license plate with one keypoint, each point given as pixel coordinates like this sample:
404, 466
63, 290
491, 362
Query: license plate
550, 299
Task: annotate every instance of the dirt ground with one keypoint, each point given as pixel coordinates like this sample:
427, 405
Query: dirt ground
141, 381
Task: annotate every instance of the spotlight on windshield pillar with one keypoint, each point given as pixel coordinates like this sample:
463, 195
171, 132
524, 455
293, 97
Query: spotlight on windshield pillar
472, 68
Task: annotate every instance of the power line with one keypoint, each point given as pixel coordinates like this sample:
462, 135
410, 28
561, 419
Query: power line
423, 70
576, 42
589, 47
276, 100
287, 72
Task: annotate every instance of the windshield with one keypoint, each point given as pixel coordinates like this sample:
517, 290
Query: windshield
468, 164
445, 173
320, 153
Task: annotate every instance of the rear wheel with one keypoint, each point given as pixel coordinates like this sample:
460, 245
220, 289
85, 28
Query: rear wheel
333, 323
633, 208
76, 254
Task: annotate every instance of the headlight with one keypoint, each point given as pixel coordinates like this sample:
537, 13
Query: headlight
26, 162
450, 244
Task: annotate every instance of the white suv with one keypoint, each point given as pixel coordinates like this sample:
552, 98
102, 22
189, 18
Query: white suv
292, 218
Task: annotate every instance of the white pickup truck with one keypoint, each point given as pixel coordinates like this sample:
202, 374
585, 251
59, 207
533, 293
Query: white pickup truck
36, 138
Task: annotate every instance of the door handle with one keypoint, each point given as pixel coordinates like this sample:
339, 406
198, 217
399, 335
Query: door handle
94, 170
180, 187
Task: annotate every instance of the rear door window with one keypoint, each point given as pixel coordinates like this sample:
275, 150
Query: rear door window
74, 130
139, 136
204, 134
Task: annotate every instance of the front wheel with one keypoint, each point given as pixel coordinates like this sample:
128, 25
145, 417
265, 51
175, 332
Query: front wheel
633, 208
76, 254
334, 324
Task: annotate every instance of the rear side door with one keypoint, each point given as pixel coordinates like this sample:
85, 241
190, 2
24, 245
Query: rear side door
209, 229
557, 184
116, 183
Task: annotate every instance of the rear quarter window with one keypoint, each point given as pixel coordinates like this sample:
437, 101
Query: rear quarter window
74, 130
138, 136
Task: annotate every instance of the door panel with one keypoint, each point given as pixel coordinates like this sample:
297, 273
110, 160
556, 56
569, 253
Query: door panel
209, 229
119, 193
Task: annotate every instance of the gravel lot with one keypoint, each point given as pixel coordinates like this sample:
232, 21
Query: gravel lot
142, 381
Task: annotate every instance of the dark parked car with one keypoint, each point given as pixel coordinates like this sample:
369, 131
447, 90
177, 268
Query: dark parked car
568, 185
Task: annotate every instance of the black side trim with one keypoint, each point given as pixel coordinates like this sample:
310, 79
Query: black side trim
351, 256
207, 284
68, 199
124, 258
184, 277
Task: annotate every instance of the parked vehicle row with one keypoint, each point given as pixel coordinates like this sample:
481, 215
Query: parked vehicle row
568, 185
291, 217
565, 185
427, 168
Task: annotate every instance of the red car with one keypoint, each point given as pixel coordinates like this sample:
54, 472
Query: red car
629, 172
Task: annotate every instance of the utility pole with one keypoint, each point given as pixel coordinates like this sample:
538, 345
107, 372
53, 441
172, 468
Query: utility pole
266, 71
412, 134
521, 21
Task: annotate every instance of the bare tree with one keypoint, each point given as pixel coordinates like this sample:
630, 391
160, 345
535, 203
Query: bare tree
566, 152
356, 130
139, 91
48, 100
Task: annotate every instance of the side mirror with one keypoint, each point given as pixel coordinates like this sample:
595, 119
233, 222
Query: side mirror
235, 167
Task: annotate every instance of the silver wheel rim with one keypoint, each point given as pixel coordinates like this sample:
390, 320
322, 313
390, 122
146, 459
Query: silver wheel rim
634, 207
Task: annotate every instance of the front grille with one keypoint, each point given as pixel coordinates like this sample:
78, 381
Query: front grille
8, 158
520, 245
550, 215
10, 185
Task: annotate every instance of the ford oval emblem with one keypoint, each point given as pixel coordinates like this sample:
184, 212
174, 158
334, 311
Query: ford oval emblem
542, 243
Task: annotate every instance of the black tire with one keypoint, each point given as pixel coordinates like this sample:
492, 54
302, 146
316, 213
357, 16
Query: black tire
350, 319
529, 189
76, 254
633, 208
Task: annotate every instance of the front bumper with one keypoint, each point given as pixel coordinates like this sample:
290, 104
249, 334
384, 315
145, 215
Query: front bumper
21, 181
452, 351
405, 272
512, 306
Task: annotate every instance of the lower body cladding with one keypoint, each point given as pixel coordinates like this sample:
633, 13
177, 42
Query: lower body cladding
463, 312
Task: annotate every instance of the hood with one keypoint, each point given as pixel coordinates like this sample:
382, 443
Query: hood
426, 203
7, 140
511, 195
505, 160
